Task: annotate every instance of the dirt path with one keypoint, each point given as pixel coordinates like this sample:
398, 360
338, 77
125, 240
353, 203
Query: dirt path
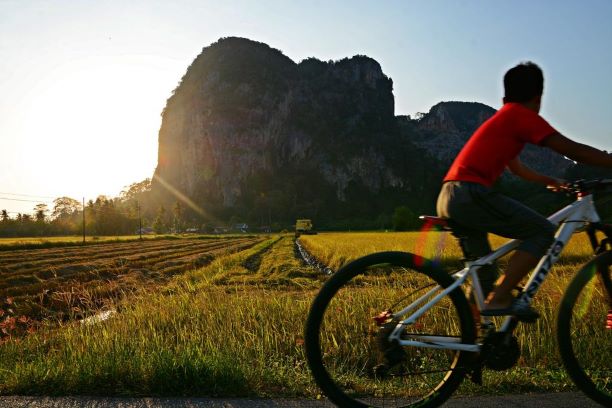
550, 400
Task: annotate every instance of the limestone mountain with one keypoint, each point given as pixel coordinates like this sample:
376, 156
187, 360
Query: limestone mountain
445, 129
250, 134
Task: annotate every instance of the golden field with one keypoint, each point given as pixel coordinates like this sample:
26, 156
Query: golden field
234, 326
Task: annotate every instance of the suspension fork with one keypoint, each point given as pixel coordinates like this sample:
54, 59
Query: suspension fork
605, 243
600, 247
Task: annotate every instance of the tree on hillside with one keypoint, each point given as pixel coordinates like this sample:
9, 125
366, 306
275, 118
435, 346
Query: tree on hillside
403, 218
4, 217
135, 190
383, 221
178, 217
137, 198
159, 226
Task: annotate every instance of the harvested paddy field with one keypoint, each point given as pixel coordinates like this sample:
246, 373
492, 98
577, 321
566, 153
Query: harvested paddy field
69, 281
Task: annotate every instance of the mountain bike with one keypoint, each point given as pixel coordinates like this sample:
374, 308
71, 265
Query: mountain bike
396, 329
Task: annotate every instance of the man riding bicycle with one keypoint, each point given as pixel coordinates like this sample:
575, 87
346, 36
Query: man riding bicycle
474, 209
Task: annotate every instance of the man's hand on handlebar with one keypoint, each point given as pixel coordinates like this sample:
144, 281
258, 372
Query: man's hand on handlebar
558, 185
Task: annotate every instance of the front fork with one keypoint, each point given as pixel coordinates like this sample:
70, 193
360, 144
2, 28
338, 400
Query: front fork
605, 243
600, 247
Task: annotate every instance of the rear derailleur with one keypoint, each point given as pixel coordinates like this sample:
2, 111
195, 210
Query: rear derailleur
392, 352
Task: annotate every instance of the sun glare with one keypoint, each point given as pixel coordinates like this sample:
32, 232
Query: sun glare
93, 123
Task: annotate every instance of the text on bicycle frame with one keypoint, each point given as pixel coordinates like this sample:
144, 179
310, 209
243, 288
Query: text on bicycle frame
550, 259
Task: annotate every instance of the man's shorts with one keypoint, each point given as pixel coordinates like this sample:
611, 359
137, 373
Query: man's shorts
475, 210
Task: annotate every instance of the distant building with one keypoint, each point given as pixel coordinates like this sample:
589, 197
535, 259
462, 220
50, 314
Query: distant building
145, 231
240, 227
220, 230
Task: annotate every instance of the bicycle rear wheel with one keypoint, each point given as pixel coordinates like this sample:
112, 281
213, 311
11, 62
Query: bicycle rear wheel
348, 351
583, 332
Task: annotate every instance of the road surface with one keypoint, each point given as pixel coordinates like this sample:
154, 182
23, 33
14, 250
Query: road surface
550, 400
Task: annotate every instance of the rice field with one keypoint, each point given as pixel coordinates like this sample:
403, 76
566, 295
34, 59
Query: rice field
231, 325
338, 248
7, 244
538, 344
64, 282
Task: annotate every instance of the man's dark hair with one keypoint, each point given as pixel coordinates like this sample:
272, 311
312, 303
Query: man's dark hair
523, 82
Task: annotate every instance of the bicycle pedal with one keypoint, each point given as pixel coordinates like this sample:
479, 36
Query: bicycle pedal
476, 375
527, 319
380, 371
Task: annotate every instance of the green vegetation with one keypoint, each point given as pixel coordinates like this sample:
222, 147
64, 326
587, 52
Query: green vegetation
234, 328
403, 219
103, 216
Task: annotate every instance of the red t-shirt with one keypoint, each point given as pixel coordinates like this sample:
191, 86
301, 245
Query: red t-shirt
496, 142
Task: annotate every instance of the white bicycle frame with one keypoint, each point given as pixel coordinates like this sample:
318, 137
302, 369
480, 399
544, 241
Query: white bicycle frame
570, 219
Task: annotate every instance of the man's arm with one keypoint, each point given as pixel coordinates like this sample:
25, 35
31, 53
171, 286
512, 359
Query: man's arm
524, 172
577, 151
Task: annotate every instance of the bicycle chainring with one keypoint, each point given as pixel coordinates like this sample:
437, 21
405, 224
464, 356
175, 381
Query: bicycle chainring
500, 351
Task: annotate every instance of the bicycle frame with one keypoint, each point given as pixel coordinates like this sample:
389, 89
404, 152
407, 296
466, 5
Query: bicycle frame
570, 219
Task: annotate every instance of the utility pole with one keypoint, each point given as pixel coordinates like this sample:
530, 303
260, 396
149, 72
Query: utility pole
83, 220
139, 219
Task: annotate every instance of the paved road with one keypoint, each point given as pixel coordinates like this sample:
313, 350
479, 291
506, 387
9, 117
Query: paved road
557, 400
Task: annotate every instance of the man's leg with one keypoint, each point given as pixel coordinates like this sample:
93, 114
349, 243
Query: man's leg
536, 234
486, 211
475, 244
519, 265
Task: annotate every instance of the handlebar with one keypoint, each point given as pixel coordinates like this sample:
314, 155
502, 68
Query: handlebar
584, 187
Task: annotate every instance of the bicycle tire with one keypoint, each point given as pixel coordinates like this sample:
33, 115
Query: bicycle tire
347, 375
585, 341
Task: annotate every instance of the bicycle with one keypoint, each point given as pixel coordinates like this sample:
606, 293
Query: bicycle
395, 329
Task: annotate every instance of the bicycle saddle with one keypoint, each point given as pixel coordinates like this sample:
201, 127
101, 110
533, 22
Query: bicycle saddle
431, 221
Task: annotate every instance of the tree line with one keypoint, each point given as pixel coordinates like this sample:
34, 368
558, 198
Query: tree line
136, 205
121, 215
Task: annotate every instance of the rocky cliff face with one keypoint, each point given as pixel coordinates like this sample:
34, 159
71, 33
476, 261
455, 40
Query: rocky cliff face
448, 125
246, 124
250, 132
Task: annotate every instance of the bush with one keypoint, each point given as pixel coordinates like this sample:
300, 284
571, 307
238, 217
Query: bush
403, 219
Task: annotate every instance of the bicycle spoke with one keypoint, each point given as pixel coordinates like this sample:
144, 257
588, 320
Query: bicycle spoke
585, 341
355, 347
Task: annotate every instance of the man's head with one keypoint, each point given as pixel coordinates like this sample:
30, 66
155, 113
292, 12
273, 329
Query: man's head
524, 84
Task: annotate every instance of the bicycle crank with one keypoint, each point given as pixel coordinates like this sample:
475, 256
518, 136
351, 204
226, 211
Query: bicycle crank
500, 351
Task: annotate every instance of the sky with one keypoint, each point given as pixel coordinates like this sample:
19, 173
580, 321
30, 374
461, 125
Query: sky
83, 83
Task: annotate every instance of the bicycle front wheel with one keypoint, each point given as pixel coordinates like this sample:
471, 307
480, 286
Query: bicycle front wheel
350, 321
583, 330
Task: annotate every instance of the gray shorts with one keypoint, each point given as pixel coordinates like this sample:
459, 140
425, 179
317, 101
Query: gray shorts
474, 210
